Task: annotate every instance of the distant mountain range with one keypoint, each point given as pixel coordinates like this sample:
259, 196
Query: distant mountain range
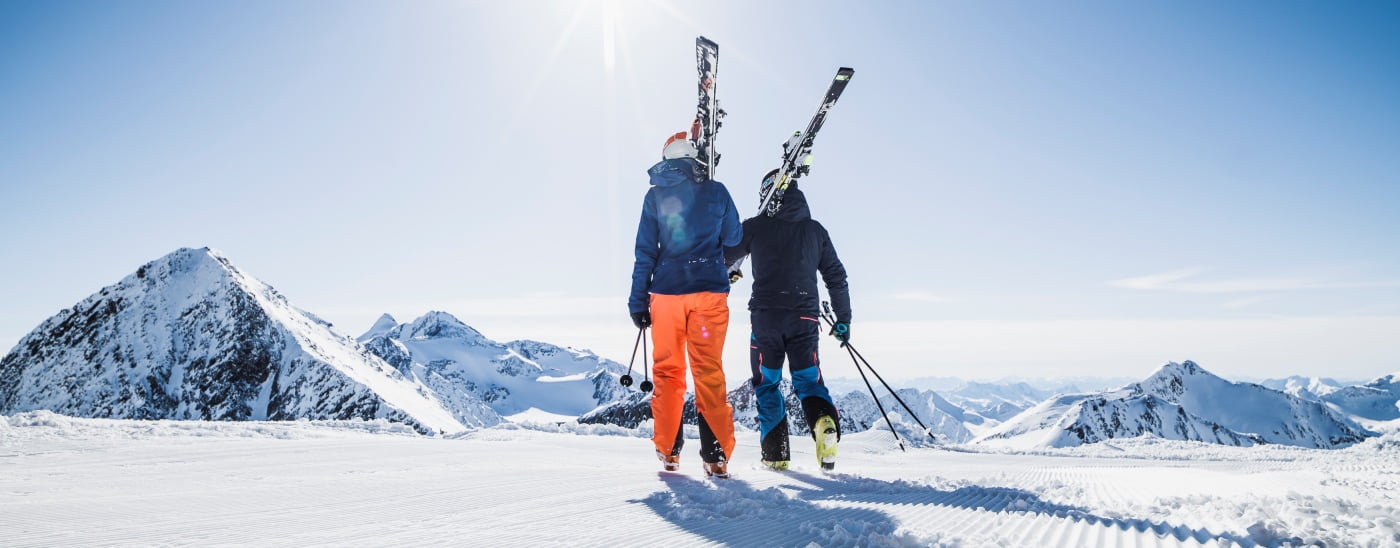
1375, 400
190, 336
440, 351
1180, 401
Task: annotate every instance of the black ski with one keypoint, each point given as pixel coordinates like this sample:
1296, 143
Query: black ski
797, 151
708, 115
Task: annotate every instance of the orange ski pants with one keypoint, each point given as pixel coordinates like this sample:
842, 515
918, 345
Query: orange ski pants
691, 325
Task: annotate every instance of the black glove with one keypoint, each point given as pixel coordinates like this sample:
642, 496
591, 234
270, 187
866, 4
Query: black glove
735, 275
641, 319
842, 331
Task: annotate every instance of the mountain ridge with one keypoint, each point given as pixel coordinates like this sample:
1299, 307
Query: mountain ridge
1180, 401
191, 336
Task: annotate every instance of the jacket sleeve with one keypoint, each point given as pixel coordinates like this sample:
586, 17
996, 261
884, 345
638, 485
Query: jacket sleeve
834, 274
647, 252
731, 231
736, 253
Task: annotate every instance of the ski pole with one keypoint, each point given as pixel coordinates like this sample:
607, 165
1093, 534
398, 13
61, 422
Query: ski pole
878, 405
858, 358
626, 380
646, 385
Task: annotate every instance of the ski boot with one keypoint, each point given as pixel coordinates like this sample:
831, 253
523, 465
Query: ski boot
718, 469
670, 463
824, 431
775, 464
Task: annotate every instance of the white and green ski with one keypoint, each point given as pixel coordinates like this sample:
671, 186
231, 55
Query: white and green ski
797, 151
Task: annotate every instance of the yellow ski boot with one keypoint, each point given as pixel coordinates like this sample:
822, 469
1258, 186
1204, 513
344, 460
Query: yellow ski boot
825, 433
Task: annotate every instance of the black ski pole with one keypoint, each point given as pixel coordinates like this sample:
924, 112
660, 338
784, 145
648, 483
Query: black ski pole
626, 380
878, 405
646, 385
858, 358
912, 415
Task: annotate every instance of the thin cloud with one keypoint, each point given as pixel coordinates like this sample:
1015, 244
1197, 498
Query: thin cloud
920, 296
1164, 280
1245, 302
1180, 281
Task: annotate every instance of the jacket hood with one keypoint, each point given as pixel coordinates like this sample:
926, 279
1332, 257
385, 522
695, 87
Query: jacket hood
674, 172
794, 207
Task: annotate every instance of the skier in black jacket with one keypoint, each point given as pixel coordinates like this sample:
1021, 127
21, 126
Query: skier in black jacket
787, 251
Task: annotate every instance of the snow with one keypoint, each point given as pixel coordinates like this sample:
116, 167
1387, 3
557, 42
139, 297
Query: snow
450, 356
69, 481
479, 438
536, 415
1181, 401
566, 378
191, 336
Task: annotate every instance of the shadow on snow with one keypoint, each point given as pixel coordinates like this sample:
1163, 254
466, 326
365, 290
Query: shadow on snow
732, 512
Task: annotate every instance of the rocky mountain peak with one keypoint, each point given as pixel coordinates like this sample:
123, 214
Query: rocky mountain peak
439, 325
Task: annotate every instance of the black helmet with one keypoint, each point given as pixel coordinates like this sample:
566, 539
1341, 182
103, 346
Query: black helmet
764, 188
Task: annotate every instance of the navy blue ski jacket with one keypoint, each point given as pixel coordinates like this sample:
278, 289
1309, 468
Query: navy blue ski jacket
788, 250
686, 223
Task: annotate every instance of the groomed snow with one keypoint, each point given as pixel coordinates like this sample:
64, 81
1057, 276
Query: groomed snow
66, 481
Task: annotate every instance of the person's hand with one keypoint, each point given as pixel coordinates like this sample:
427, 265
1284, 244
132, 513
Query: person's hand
735, 275
641, 319
842, 331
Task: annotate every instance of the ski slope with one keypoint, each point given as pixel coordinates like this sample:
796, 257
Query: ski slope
67, 481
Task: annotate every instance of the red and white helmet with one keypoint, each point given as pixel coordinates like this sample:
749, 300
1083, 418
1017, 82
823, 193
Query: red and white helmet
679, 146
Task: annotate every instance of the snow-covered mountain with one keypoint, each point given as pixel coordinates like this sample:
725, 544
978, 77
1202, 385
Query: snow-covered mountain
858, 412
1377, 400
1180, 401
947, 421
446, 354
635, 408
997, 401
190, 336
1308, 388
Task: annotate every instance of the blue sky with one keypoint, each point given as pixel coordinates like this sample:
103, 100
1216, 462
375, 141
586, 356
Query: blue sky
1017, 188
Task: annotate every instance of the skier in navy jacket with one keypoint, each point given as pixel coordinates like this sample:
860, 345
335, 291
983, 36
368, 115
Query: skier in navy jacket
680, 288
787, 252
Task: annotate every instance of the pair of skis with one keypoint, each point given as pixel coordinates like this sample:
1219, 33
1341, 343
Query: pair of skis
707, 112
797, 151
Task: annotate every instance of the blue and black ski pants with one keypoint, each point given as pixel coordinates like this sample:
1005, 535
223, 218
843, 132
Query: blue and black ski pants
791, 336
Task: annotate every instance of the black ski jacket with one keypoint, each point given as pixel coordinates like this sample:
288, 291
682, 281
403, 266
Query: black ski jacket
788, 250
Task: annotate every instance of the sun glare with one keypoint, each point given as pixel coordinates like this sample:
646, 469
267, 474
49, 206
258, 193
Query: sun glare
609, 15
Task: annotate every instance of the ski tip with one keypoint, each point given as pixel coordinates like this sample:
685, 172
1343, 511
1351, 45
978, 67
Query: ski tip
845, 73
702, 41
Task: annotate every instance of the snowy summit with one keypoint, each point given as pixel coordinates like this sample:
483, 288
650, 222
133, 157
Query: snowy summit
190, 336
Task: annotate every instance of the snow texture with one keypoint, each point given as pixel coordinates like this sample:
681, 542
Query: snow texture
70, 481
